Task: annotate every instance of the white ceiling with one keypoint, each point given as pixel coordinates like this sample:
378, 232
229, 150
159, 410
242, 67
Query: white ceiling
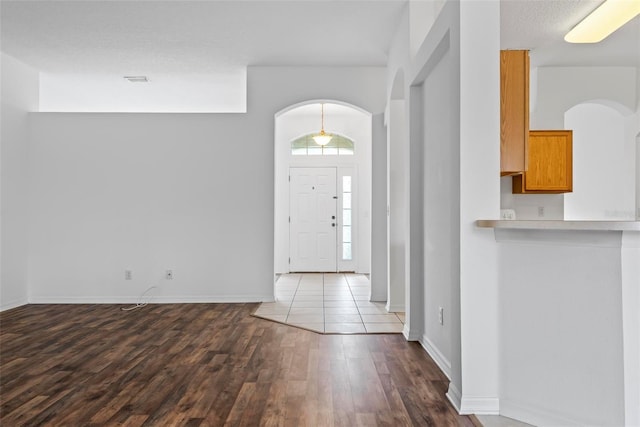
540, 25
209, 36
196, 36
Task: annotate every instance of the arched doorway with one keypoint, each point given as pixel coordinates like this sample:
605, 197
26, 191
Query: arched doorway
604, 162
343, 167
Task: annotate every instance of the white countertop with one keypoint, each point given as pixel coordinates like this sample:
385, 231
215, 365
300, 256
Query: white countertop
560, 225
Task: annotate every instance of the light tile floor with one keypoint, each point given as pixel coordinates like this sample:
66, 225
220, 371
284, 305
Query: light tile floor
334, 303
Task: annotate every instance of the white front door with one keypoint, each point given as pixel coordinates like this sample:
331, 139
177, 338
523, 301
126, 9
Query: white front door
313, 225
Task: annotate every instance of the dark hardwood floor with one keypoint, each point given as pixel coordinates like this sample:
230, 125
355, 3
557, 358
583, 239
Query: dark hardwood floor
207, 365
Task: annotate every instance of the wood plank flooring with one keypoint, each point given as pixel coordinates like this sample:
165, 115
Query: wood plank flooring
207, 365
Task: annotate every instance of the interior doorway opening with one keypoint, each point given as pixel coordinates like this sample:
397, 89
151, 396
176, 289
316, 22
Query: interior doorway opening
397, 198
322, 213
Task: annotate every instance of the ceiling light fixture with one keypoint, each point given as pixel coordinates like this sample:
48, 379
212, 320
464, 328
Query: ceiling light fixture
322, 138
607, 18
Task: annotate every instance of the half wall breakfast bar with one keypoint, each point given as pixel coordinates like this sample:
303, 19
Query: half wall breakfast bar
569, 313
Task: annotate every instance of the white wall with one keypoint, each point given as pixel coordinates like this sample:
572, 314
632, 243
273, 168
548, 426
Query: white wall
423, 14
148, 192
555, 90
399, 63
560, 88
451, 126
630, 254
164, 93
526, 205
479, 198
19, 93
561, 358
433, 139
638, 143
638, 174
604, 164
396, 147
379, 272
441, 198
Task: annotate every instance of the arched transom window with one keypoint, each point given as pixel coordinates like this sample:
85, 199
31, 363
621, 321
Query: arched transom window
306, 146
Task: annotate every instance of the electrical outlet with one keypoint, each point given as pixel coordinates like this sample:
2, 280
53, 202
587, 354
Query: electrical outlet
540, 211
507, 214
441, 315
128, 275
169, 275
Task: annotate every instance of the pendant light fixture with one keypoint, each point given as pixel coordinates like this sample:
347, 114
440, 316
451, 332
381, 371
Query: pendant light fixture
322, 138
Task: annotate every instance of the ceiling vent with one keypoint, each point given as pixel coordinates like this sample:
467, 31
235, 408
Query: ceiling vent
137, 79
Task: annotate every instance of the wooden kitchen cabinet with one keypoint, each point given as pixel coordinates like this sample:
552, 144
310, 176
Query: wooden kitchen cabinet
550, 164
514, 111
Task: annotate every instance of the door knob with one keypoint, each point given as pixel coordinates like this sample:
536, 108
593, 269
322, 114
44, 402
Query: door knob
333, 217
333, 224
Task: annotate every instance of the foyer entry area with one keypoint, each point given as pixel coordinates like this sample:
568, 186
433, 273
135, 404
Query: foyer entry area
332, 303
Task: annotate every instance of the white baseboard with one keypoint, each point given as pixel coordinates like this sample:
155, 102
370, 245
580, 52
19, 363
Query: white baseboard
453, 394
162, 299
534, 415
479, 405
13, 304
410, 334
473, 405
378, 298
443, 363
395, 308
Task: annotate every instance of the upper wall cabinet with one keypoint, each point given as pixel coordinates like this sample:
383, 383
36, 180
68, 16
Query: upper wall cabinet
550, 163
514, 111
